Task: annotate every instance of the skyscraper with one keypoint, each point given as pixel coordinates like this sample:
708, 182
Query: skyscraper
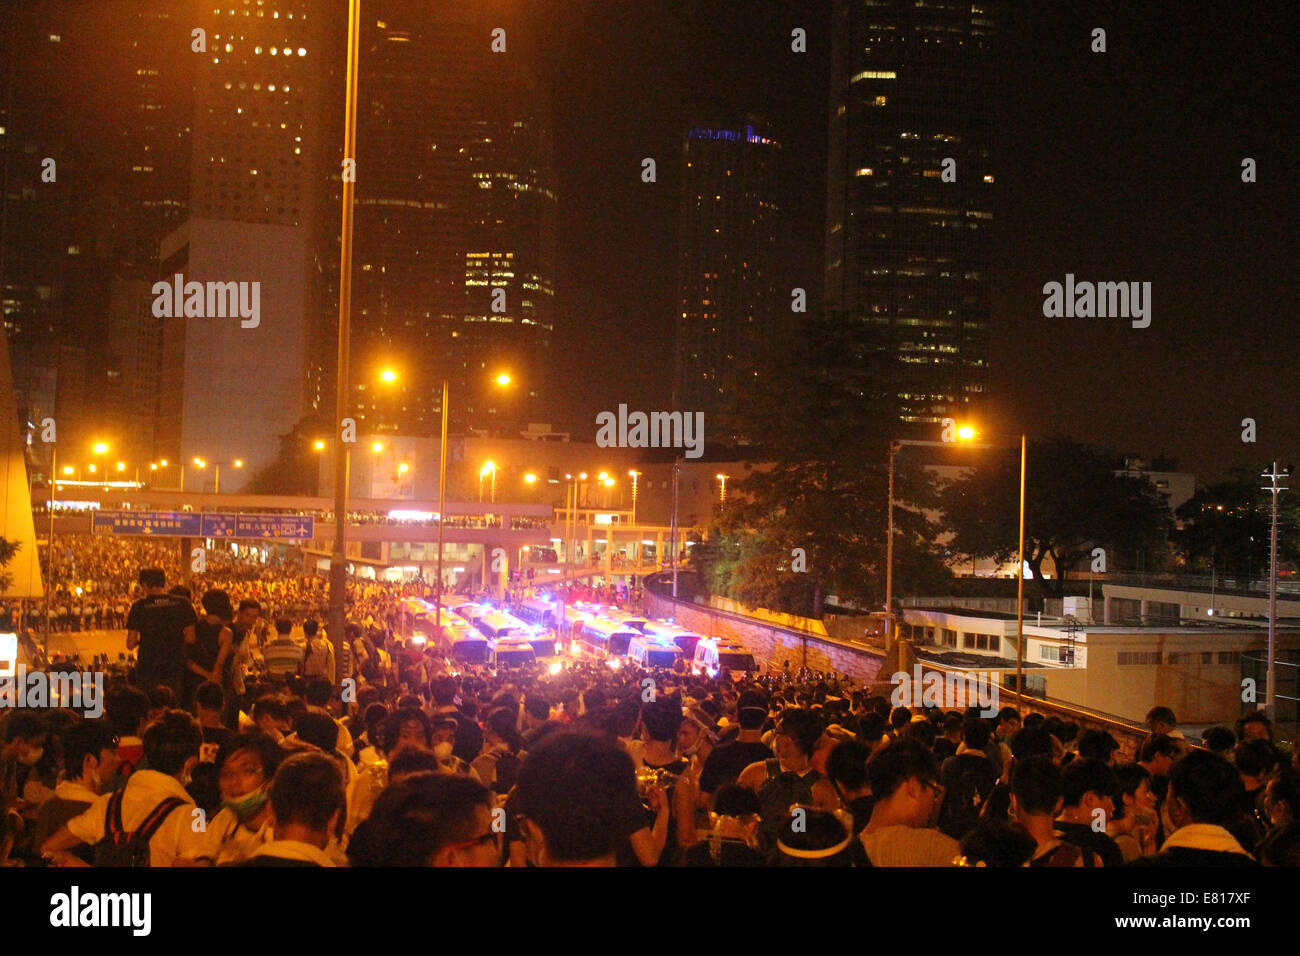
454, 230
98, 107
255, 199
726, 284
910, 195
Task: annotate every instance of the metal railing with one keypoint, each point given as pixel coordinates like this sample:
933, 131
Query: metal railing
1197, 582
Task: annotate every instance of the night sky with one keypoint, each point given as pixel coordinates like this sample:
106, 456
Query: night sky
1123, 166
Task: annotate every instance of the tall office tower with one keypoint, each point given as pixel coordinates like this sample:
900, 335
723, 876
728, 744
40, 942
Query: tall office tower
910, 195
253, 219
509, 267
726, 263
454, 201
98, 102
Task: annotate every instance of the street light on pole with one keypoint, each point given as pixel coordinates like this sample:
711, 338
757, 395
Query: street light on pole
338, 557
965, 434
1270, 685
722, 490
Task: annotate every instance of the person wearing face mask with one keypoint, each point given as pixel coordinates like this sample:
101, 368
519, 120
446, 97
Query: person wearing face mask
23, 748
171, 747
246, 763
90, 759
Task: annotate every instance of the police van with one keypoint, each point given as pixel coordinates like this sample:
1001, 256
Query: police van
511, 651
666, 630
648, 652
462, 644
712, 654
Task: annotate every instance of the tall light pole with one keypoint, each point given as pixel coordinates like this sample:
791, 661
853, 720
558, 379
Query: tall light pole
964, 435
722, 493
677, 468
442, 516
634, 475
49, 555
1270, 686
338, 558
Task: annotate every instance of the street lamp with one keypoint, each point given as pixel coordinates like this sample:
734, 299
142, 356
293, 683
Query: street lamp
216, 470
389, 377
634, 475
965, 436
722, 493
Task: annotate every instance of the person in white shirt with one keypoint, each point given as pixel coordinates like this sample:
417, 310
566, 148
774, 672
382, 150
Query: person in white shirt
247, 763
307, 802
171, 747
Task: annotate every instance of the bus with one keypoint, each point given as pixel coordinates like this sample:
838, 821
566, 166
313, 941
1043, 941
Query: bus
634, 621
680, 636
536, 611
497, 625
471, 611
605, 638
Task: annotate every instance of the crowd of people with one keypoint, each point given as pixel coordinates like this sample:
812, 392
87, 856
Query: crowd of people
429, 765
234, 716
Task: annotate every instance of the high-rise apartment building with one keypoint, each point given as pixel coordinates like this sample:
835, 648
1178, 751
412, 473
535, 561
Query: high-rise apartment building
453, 257
727, 294
911, 195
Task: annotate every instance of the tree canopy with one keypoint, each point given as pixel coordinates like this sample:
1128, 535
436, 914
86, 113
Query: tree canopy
1074, 502
822, 428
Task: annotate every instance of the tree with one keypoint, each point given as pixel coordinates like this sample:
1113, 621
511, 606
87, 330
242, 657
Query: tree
1074, 502
295, 470
822, 424
8, 550
1226, 527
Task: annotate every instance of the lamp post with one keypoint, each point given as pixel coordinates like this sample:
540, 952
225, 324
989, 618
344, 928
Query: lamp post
216, 470
634, 475
389, 376
1270, 685
338, 557
722, 491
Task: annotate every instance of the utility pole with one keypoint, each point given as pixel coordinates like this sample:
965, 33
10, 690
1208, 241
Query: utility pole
677, 468
338, 558
1270, 686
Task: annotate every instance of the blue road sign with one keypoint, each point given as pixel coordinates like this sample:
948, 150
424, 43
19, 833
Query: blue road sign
291, 527
194, 524
151, 523
218, 525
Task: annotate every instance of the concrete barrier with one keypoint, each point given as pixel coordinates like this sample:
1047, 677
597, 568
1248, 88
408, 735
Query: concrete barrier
772, 644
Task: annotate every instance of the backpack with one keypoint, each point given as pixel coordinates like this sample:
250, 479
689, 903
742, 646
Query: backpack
964, 801
119, 848
314, 663
778, 793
